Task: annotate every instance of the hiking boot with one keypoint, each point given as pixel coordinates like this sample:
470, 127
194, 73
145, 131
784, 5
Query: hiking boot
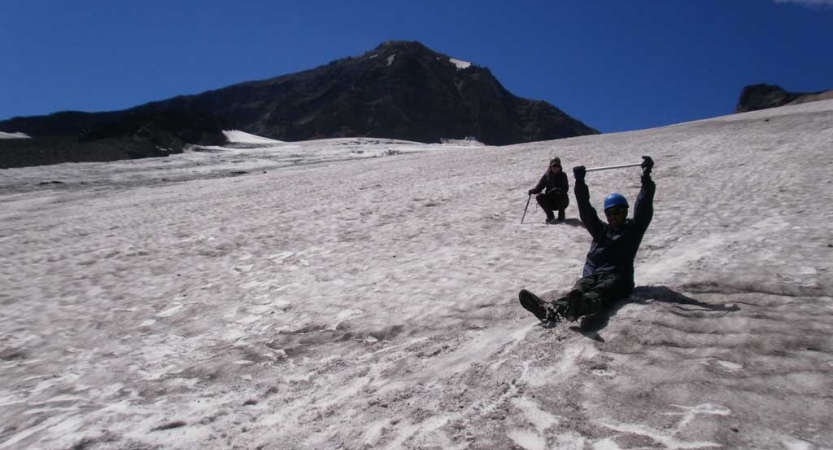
565, 308
552, 221
536, 306
561, 215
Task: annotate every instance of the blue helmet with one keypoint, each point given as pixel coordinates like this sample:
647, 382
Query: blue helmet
615, 199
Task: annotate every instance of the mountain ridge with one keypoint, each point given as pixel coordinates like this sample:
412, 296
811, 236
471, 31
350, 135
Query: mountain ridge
399, 90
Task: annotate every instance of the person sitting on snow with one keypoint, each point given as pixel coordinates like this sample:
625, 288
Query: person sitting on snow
555, 198
608, 269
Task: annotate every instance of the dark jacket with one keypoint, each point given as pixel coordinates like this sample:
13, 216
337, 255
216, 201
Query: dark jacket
553, 182
614, 252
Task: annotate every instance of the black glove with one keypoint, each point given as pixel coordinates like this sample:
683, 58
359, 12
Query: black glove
532, 192
579, 172
647, 165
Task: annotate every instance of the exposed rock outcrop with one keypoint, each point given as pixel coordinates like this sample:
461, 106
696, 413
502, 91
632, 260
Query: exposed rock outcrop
763, 96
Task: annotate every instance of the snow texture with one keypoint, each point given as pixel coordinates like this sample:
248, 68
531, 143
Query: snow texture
362, 293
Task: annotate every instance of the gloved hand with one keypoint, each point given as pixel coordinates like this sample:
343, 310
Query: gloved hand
647, 165
579, 172
532, 192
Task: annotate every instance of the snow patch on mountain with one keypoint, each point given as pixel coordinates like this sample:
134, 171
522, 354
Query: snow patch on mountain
4, 135
460, 64
240, 137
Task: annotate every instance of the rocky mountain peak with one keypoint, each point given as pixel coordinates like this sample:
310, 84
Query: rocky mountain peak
400, 89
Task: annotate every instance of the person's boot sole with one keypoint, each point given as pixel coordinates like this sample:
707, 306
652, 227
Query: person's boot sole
533, 304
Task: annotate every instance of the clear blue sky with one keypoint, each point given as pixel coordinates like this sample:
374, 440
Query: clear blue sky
616, 65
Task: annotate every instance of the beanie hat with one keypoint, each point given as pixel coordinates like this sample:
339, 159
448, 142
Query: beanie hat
555, 162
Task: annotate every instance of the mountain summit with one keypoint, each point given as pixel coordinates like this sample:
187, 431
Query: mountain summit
400, 90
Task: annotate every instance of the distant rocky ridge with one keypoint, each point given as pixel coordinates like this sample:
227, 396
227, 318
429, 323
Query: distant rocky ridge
60, 149
400, 90
763, 96
110, 136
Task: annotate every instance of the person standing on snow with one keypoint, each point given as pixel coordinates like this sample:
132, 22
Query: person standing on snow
608, 269
555, 198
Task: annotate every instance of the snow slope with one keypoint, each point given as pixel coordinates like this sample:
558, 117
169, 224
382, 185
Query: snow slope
307, 295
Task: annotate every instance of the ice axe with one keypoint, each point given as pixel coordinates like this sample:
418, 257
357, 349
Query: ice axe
527, 206
594, 169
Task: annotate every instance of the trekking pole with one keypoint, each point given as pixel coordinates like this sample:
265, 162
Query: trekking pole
527, 206
593, 169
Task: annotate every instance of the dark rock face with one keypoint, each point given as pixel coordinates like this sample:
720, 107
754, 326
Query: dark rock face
65, 123
88, 137
763, 96
399, 90
169, 129
61, 149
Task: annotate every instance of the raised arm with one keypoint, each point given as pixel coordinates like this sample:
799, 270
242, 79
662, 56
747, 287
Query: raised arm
586, 211
643, 210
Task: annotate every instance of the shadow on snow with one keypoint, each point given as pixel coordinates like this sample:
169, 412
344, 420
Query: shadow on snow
590, 325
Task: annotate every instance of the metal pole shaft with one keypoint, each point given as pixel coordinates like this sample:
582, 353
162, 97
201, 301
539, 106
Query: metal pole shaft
527, 206
594, 169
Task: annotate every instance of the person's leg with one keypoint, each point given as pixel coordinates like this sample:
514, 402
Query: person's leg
544, 202
606, 290
584, 284
562, 201
567, 306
